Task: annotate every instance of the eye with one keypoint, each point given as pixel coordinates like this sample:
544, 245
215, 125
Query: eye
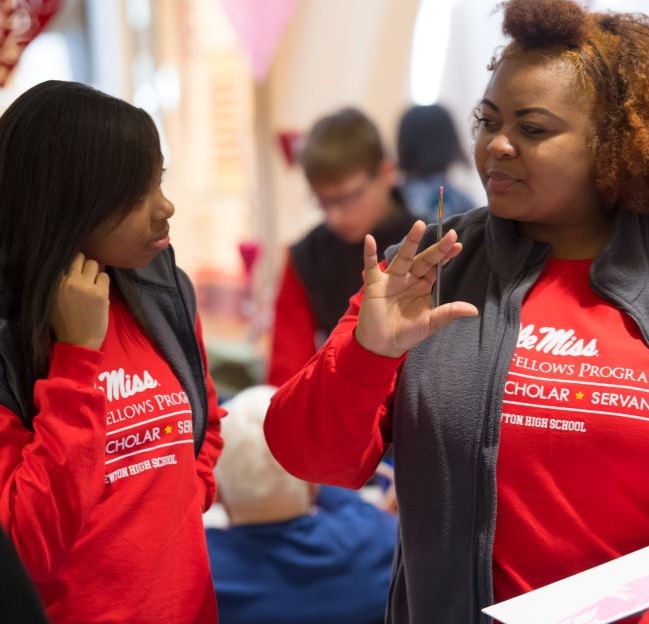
533, 130
482, 121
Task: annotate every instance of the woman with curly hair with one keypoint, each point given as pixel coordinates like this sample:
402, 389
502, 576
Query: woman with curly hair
518, 410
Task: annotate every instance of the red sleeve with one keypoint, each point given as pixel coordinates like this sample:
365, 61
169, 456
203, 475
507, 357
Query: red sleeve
52, 478
330, 423
213, 443
293, 337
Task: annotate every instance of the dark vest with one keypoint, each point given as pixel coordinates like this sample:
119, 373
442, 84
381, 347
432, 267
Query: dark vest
331, 270
19, 601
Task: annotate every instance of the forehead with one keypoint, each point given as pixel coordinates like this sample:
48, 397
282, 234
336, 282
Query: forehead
531, 80
348, 181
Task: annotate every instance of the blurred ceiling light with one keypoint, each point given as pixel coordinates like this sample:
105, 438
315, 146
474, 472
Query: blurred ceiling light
167, 83
146, 97
143, 67
138, 14
45, 58
429, 45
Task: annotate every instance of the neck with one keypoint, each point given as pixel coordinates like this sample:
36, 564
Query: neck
573, 241
388, 212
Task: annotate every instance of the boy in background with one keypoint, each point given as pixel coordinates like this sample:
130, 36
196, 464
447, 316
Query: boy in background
353, 181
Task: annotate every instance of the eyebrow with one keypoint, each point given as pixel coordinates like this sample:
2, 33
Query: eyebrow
523, 111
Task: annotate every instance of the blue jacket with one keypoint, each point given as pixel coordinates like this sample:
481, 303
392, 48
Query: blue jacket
330, 566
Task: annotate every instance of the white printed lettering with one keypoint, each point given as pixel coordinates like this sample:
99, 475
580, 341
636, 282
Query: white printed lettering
555, 341
120, 385
132, 440
615, 399
536, 391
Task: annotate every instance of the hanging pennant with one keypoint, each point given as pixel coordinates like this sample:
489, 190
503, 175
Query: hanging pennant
290, 142
260, 24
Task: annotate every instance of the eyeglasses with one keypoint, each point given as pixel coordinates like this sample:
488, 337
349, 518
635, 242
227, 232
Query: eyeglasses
344, 200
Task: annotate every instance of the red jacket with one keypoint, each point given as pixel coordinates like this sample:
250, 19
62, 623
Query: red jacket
294, 330
104, 503
354, 419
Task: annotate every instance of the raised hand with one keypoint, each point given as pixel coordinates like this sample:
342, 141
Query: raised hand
80, 312
397, 312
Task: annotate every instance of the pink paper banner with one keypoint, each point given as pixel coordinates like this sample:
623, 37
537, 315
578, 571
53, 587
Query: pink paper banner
260, 25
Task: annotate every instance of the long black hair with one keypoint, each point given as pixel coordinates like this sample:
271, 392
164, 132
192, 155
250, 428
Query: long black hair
71, 157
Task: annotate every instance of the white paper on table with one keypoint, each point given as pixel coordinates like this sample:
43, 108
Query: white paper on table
603, 594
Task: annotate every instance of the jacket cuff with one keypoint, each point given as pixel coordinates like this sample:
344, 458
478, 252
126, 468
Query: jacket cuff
361, 366
70, 361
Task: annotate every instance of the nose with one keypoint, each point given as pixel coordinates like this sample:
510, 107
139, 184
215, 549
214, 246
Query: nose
335, 216
166, 208
501, 147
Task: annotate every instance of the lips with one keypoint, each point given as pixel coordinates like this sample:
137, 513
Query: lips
161, 236
500, 182
161, 242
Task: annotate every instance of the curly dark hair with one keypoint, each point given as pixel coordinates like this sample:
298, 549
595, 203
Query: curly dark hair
610, 52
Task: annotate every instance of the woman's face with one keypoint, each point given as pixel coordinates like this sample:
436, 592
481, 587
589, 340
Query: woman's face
532, 147
135, 240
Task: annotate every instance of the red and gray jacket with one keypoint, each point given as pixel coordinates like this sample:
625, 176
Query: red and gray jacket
440, 407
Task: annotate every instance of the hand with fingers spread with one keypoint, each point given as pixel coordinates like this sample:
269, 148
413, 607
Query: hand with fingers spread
80, 312
397, 312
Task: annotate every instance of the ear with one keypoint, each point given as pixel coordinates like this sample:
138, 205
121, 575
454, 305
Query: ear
387, 173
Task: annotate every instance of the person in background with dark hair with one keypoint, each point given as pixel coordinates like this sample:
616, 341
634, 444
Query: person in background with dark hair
427, 146
353, 181
293, 552
19, 602
517, 409
109, 424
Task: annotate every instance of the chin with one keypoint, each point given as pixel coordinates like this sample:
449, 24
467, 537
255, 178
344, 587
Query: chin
350, 238
503, 209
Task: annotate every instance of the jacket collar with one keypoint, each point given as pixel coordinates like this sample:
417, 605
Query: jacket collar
620, 273
508, 252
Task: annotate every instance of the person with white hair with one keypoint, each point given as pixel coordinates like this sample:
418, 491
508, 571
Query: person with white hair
293, 552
